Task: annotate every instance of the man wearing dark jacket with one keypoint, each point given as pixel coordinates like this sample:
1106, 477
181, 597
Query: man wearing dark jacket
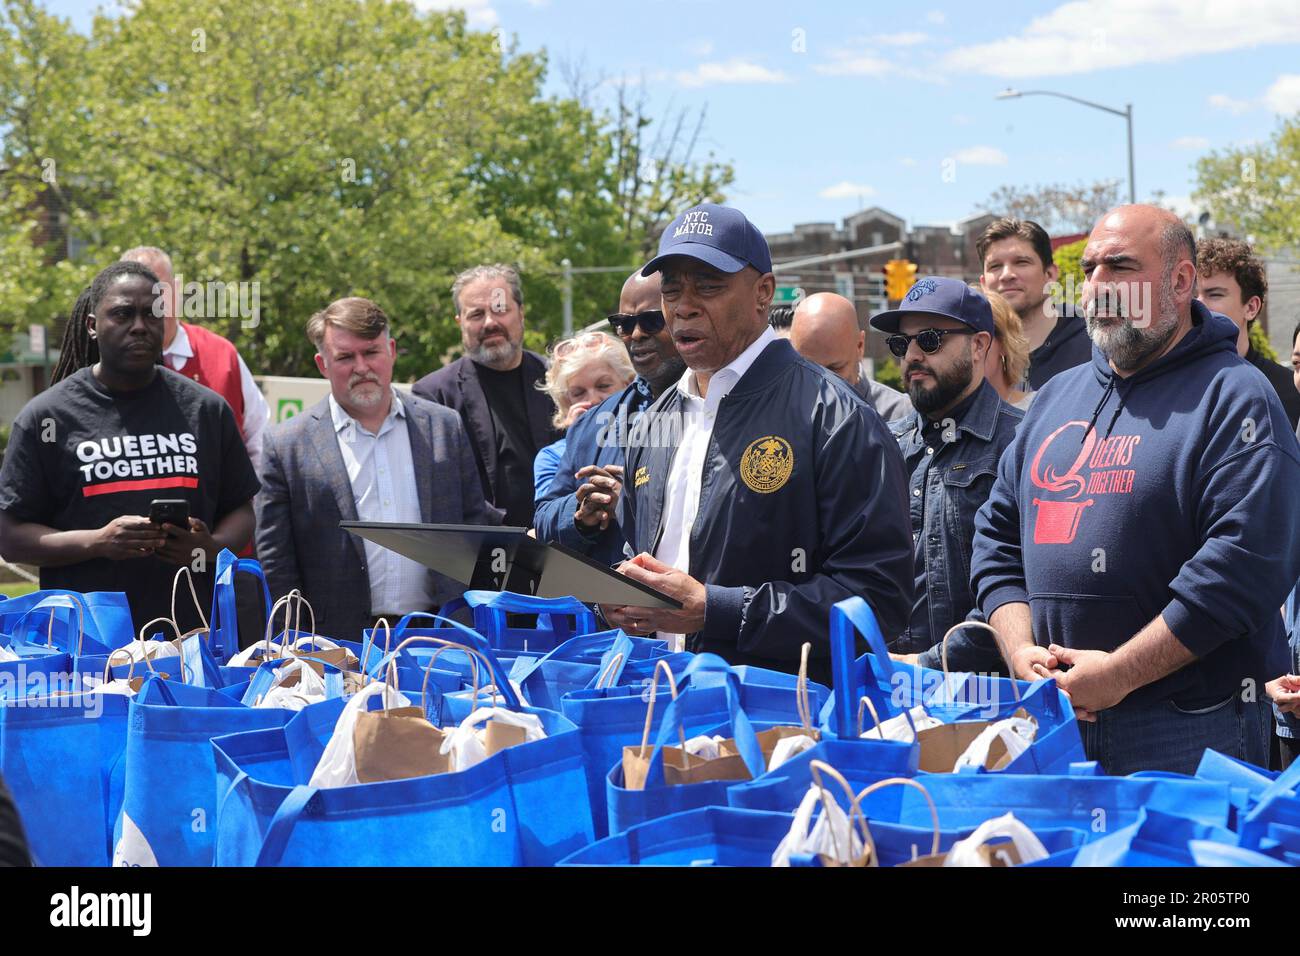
1139, 538
362, 453
1016, 261
494, 388
1233, 283
951, 444
579, 509
760, 489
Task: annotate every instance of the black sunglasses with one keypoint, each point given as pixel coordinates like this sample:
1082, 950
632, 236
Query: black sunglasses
651, 322
930, 340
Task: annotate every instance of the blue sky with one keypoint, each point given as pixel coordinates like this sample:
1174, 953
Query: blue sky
824, 107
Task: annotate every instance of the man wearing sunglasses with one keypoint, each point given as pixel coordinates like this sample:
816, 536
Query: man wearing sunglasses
951, 444
578, 509
760, 489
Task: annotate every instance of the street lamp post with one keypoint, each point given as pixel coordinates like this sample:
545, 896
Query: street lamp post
1126, 112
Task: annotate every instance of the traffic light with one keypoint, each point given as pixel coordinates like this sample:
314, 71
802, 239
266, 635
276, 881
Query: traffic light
900, 274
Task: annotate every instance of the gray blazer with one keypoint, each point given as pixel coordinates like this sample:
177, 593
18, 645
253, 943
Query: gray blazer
306, 493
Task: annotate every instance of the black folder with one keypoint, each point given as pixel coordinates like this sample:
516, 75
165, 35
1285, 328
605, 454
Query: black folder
488, 558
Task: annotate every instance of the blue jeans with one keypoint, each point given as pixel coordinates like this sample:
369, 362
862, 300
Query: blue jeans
1158, 735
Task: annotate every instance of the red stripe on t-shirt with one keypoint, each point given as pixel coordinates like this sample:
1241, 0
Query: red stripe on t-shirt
143, 484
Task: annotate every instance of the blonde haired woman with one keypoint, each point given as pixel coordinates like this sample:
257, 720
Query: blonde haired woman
585, 370
1007, 364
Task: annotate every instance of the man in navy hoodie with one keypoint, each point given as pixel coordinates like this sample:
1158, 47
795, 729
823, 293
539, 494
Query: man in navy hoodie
1141, 534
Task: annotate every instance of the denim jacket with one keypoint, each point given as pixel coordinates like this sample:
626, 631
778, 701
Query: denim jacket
949, 478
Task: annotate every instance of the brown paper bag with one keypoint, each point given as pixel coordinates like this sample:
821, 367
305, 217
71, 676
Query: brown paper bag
498, 735
396, 744
340, 657
941, 746
680, 767
768, 739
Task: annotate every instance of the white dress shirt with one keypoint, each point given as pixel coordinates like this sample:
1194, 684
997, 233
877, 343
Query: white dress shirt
686, 475
256, 412
382, 476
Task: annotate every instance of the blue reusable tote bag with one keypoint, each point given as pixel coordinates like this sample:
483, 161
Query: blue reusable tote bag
705, 836
525, 805
1163, 839
1056, 744
169, 799
224, 620
61, 750
103, 625
558, 619
629, 807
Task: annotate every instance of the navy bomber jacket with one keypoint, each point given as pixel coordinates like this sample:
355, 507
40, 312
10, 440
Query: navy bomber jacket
803, 503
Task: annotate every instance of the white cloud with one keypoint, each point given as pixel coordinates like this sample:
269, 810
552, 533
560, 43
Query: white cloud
1191, 142
847, 190
1284, 95
732, 71
906, 38
937, 17
1221, 101
1088, 35
981, 156
479, 14
844, 63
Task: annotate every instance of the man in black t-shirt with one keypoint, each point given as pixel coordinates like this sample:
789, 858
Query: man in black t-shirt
494, 387
86, 458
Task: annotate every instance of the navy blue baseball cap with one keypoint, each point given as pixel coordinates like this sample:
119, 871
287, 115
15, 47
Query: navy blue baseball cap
714, 234
940, 295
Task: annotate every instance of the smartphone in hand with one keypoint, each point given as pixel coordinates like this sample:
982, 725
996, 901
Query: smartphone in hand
170, 511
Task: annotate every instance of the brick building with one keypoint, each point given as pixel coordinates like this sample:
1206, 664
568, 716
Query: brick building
936, 250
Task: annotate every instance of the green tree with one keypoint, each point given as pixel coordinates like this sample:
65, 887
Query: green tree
1056, 207
1067, 259
1255, 189
317, 149
41, 86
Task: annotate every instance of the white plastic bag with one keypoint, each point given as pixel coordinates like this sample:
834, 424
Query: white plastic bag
898, 728
337, 766
832, 834
7, 656
138, 651
788, 747
466, 745
966, 852
310, 688
704, 747
96, 684
1016, 733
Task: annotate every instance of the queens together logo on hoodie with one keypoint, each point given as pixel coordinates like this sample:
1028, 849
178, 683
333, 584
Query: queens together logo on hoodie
1097, 466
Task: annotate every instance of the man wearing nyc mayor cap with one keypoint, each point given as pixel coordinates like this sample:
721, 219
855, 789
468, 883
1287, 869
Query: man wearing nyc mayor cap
759, 489
951, 444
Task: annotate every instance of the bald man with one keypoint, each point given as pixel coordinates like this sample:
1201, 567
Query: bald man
578, 509
1155, 487
825, 330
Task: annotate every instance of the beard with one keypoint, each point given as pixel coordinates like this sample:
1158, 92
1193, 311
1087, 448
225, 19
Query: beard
365, 392
1126, 345
948, 384
498, 356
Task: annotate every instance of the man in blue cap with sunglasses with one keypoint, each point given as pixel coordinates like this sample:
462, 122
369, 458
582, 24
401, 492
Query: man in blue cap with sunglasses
579, 508
759, 489
951, 443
